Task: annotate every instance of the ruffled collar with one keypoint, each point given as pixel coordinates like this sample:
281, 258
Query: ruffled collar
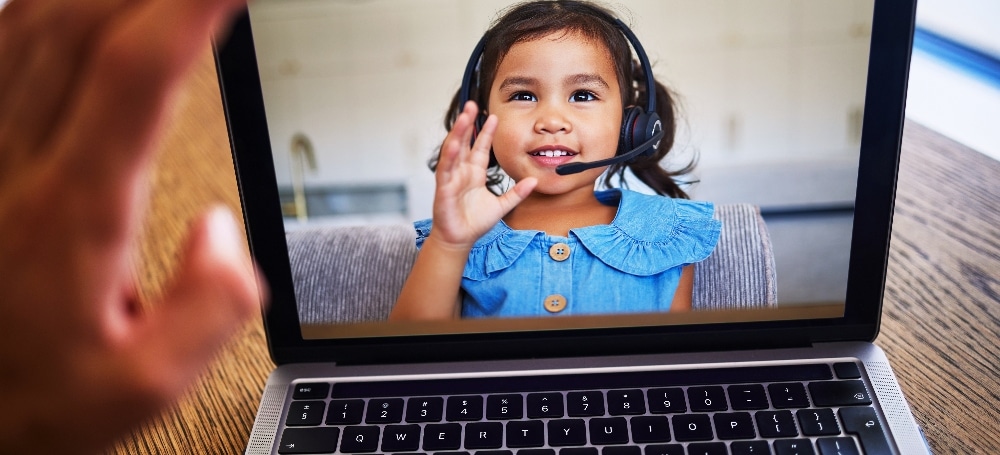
648, 235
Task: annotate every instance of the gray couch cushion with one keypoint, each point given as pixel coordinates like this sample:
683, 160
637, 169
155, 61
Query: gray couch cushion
349, 274
353, 274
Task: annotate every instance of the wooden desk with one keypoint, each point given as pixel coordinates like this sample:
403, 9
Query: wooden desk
941, 315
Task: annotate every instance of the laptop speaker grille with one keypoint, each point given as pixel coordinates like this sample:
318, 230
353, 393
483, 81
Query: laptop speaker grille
897, 413
266, 424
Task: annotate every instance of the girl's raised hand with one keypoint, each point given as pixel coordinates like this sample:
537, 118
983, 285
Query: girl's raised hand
464, 209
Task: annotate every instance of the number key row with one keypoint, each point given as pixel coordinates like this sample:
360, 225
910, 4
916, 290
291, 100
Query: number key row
550, 404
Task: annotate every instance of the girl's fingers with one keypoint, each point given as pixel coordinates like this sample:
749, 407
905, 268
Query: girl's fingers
458, 140
484, 142
521, 190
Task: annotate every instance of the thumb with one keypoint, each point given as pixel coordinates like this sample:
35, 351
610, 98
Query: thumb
215, 292
517, 194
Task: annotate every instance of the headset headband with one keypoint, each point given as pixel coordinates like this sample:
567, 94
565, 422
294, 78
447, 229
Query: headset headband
471, 68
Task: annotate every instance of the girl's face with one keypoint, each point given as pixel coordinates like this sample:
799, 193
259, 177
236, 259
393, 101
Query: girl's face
557, 99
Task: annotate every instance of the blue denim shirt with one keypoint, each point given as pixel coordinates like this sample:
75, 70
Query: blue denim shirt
631, 265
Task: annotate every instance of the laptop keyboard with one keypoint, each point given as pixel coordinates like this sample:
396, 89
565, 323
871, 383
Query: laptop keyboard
788, 409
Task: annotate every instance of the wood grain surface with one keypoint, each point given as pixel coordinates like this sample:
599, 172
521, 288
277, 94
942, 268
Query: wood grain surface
940, 320
941, 312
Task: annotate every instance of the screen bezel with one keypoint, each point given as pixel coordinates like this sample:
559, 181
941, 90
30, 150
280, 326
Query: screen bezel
891, 41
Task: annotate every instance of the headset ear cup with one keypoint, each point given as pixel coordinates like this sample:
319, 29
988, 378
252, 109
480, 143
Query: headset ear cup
626, 139
651, 126
638, 126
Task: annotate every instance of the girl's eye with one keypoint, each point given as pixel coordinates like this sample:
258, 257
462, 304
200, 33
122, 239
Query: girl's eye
582, 95
522, 96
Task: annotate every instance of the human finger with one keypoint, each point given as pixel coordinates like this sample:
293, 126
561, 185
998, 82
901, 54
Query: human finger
134, 69
44, 47
518, 193
215, 292
480, 155
457, 140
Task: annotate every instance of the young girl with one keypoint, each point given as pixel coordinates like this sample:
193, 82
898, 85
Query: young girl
555, 77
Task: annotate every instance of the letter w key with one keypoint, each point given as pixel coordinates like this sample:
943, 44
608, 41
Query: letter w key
401, 438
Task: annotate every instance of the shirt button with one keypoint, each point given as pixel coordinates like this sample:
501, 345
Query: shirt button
559, 252
555, 303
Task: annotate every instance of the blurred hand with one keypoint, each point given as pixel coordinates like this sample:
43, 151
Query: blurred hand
84, 88
464, 209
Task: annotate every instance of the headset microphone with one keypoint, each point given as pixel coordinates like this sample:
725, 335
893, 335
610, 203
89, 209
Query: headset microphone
573, 168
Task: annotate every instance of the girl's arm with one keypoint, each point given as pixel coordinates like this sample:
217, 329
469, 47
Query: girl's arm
431, 290
685, 289
464, 210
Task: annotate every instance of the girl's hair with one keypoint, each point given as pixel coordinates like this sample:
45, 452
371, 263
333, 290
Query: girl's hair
533, 20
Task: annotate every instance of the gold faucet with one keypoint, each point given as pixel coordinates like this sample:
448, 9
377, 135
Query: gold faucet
302, 155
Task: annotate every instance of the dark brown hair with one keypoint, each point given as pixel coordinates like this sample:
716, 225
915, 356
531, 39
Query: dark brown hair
533, 20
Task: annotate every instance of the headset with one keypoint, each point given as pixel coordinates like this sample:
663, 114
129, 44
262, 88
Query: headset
641, 130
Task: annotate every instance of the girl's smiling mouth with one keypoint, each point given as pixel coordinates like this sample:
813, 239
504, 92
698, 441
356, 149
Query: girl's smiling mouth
552, 155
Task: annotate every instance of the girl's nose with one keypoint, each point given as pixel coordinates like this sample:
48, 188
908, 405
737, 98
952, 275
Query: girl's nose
551, 121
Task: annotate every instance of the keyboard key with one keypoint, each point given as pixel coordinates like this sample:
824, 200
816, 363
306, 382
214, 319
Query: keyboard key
401, 438
707, 448
837, 446
309, 440
604, 431
483, 435
536, 452
646, 429
619, 450
545, 405
863, 422
525, 433
494, 452
734, 425
817, 422
626, 402
776, 424
428, 409
707, 399
567, 432
504, 407
745, 397
788, 395
345, 412
668, 400
311, 391
465, 408
839, 393
692, 427
305, 413
442, 436
664, 449
578, 451
359, 439
750, 448
793, 447
384, 410
847, 370
585, 404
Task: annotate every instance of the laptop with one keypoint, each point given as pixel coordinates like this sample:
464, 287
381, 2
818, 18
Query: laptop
794, 112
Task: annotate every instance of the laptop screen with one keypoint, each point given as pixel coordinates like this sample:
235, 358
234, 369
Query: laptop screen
769, 98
